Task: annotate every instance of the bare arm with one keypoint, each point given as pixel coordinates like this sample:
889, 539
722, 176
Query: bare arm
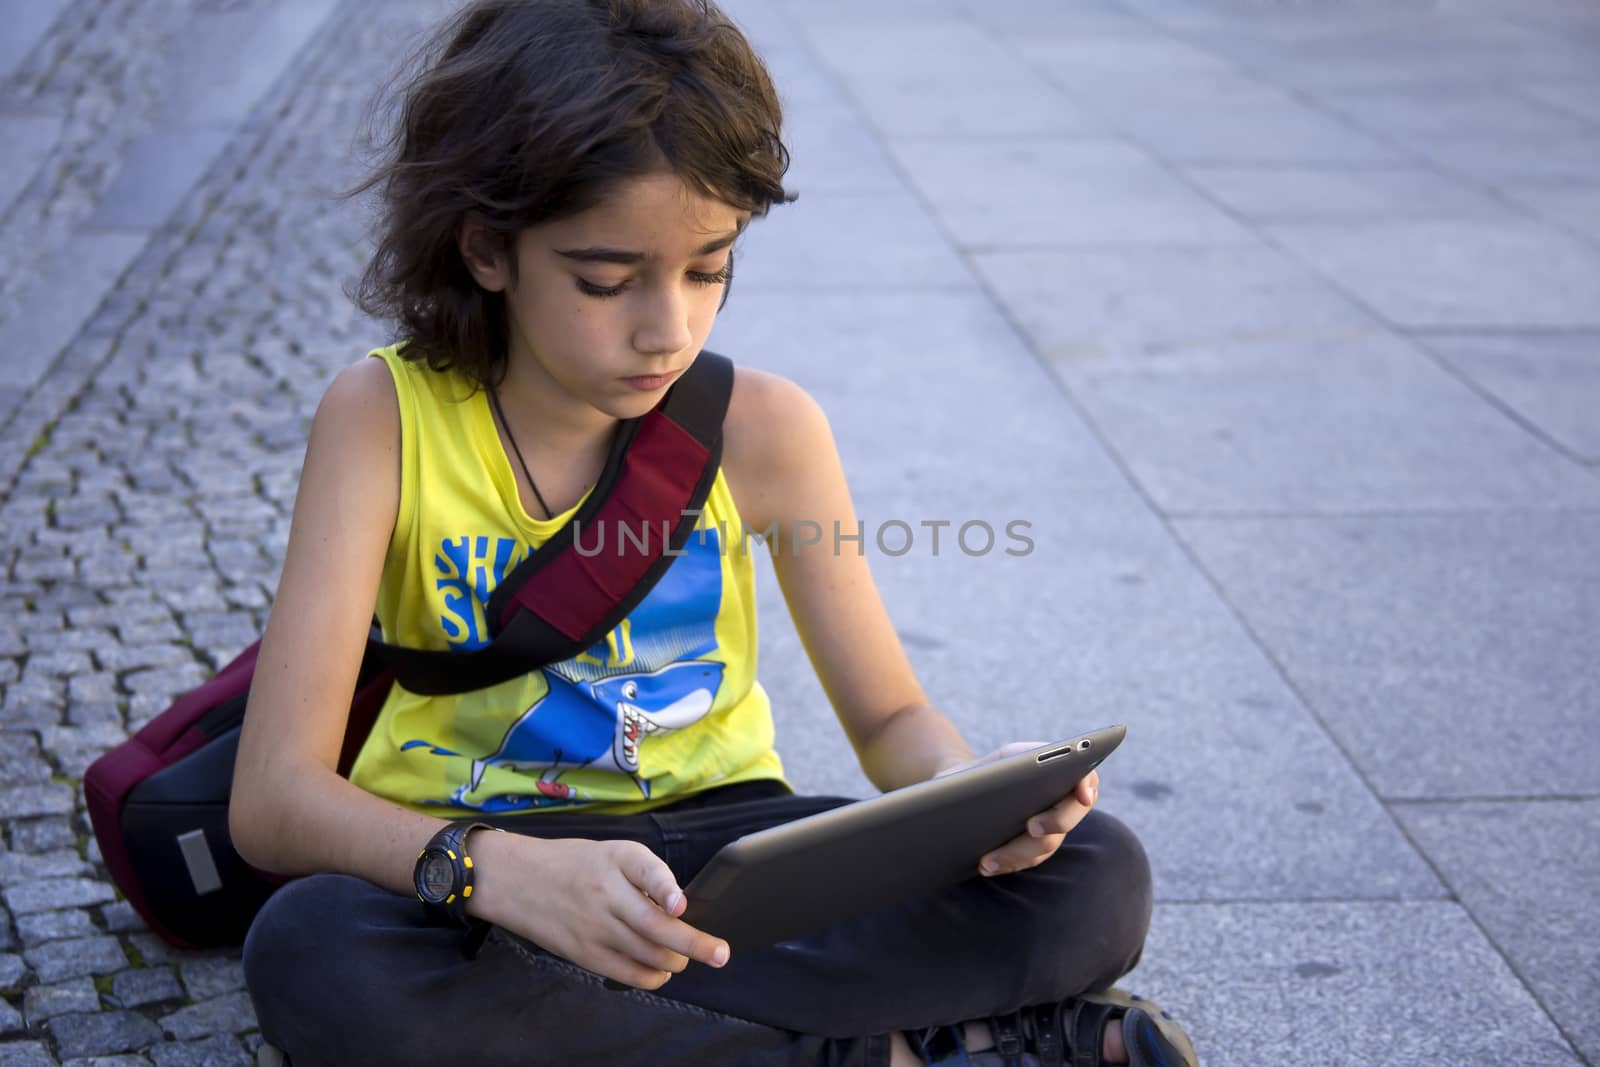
787, 471
290, 811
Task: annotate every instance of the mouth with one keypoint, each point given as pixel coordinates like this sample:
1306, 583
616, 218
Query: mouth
651, 381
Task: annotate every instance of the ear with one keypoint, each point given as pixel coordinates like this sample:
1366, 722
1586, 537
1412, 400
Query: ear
484, 255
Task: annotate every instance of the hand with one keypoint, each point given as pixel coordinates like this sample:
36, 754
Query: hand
1046, 830
608, 906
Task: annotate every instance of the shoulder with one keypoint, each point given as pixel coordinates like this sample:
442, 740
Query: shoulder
773, 434
363, 390
357, 421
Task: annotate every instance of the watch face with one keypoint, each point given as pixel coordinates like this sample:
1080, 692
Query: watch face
436, 877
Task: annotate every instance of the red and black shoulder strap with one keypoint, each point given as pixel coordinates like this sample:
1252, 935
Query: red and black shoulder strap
560, 600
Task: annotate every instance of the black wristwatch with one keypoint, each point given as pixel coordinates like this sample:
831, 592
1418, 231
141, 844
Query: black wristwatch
443, 881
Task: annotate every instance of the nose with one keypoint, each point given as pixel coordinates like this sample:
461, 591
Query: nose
663, 325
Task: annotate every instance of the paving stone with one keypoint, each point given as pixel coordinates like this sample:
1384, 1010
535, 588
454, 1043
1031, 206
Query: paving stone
1504, 161
18, 867
55, 893
230, 1014
1324, 194
1060, 192
44, 926
42, 1002
1309, 982
97, 688
1491, 111
1527, 873
39, 835
146, 986
1550, 380
103, 1033
29, 801
20, 760
1457, 274
58, 960
107, 1061
210, 977
1576, 207
11, 970
131, 656
1261, 129
168, 682
1355, 424
1477, 627
1045, 442
25, 1054
10, 1019
150, 948
833, 151
217, 1051
32, 703
1088, 307
799, 245
44, 834
119, 917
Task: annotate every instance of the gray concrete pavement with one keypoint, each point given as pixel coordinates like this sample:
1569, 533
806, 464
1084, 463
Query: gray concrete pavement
1279, 323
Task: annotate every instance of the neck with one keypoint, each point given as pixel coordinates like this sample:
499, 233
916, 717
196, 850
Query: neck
546, 420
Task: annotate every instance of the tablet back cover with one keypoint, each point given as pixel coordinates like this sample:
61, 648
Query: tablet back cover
800, 876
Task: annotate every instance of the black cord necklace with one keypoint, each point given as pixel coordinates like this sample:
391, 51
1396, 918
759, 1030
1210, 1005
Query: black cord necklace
494, 402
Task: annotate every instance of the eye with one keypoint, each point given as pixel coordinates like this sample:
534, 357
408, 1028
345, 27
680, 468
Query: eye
590, 289
630, 690
718, 277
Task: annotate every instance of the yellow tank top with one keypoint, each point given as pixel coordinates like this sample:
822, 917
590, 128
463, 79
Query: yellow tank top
666, 705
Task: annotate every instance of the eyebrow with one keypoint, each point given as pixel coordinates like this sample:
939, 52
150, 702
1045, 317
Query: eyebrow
617, 255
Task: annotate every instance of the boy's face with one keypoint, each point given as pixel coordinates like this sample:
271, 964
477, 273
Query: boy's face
612, 305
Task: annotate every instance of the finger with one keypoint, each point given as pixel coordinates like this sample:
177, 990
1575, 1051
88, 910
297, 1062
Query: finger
1088, 790
609, 963
649, 923
651, 875
1019, 854
650, 955
1059, 819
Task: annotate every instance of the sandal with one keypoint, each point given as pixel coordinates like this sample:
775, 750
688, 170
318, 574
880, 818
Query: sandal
1153, 1036
1067, 1034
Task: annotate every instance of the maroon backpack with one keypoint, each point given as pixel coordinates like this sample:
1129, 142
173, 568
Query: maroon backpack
159, 801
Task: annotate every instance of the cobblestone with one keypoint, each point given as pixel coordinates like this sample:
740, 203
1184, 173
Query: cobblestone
20, 759
147, 986
127, 657
150, 948
102, 1033
217, 1051
42, 835
107, 1061
43, 1002
53, 893
98, 688
12, 968
43, 926
10, 1019
210, 977
120, 917
28, 801
25, 1054
58, 960
232, 1013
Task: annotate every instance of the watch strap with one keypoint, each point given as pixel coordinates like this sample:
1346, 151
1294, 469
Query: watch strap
451, 840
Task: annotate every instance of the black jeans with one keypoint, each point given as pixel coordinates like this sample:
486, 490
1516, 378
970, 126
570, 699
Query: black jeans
344, 972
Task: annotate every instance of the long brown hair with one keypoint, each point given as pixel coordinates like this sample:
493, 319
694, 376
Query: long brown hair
527, 111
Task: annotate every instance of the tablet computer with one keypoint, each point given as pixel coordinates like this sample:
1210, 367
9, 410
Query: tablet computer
800, 876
